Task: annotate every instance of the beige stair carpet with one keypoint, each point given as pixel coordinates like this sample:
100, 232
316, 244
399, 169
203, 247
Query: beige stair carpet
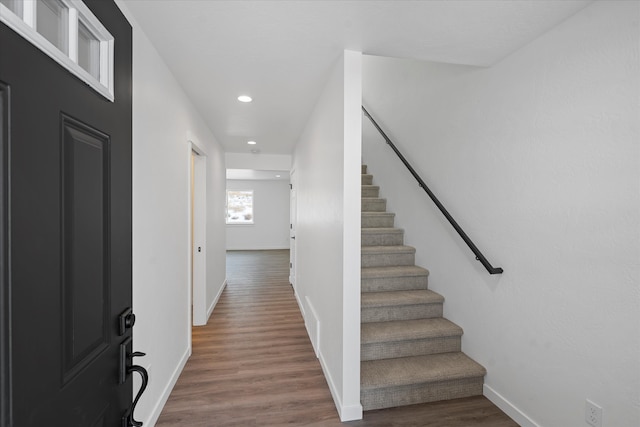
409, 353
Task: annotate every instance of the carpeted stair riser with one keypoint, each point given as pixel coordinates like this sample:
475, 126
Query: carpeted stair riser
382, 284
373, 204
379, 258
382, 237
377, 219
383, 279
421, 393
404, 312
390, 350
367, 179
370, 191
387, 340
400, 305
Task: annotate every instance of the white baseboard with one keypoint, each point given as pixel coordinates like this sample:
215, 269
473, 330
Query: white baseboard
508, 408
351, 413
300, 304
157, 409
346, 413
314, 329
332, 386
216, 299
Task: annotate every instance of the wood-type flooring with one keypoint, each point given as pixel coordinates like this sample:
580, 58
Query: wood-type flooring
253, 365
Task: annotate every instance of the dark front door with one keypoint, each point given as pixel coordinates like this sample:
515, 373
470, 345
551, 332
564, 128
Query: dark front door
66, 236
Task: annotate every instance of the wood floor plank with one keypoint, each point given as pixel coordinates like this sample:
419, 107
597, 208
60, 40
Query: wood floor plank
253, 365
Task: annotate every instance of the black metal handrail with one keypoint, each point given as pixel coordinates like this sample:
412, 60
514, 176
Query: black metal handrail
467, 240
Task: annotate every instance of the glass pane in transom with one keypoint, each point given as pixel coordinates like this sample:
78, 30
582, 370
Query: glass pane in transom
15, 6
52, 21
88, 51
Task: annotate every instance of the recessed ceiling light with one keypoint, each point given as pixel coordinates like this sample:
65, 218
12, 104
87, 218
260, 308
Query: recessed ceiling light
251, 142
244, 98
277, 176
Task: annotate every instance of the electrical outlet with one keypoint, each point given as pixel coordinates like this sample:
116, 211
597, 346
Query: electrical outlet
593, 414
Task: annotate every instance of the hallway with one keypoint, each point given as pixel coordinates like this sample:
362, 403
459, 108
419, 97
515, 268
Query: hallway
253, 364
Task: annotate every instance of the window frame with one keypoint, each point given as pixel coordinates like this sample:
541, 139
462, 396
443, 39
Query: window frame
253, 208
25, 26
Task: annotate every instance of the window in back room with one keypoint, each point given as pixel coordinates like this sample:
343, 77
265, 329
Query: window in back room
239, 206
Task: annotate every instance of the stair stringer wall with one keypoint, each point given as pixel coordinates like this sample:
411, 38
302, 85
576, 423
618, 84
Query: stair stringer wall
327, 164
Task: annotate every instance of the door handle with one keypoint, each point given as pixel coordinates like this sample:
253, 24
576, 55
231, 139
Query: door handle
127, 368
145, 381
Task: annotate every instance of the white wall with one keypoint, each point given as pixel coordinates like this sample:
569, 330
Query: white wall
280, 162
270, 228
163, 120
538, 158
327, 165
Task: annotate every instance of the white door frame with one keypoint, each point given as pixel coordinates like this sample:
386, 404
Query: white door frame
197, 234
293, 209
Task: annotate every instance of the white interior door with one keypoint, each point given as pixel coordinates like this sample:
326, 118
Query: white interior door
292, 232
198, 236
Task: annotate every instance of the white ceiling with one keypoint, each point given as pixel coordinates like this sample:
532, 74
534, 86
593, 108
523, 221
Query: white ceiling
280, 52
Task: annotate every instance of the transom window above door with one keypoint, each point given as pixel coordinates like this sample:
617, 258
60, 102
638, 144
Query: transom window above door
68, 32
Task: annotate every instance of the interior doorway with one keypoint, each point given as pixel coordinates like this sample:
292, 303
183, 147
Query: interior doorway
198, 233
292, 230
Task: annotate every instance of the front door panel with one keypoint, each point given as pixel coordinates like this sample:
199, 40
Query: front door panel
68, 240
86, 293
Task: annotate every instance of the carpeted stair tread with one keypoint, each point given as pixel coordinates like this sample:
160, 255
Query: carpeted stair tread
380, 230
387, 255
393, 271
388, 305
377, 214
363, 169
393, 278
395, 249
373, 204
396, 298
382, 236
377, 219
370, 191
432, 368
367, 179
403, 330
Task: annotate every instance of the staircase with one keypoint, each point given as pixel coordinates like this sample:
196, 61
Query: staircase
409, 353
